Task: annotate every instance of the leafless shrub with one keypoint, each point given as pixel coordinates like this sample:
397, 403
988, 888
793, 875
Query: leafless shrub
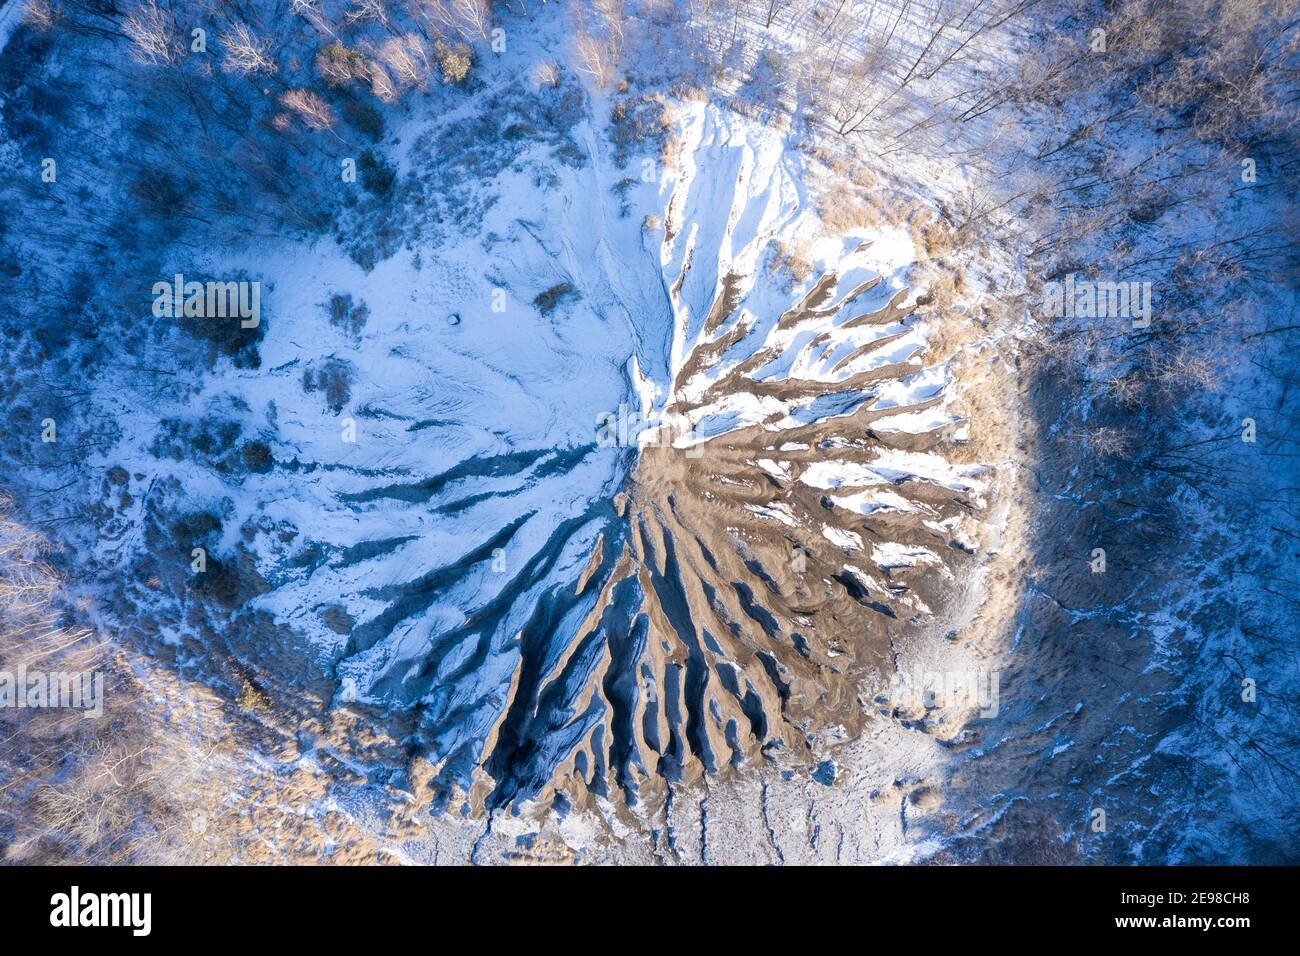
340, 65
310, 108
637, 122
1125, 388
346, 316
454, 61
1108, 441
546, 74
333, 379
1185, 368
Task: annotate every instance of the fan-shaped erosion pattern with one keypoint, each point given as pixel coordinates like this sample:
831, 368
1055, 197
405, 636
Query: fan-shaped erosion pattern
631, 505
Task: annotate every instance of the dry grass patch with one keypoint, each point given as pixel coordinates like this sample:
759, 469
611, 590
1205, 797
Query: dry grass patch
169, 774
792, 260
844, 208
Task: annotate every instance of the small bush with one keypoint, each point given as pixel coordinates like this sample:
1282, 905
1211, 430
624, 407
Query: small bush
548, 300
333, 378
637, 123
195, 529
228, 337
257, 457
365, 119
791, 260
218, 581
377, 174
345, 316
253, 699
454, 61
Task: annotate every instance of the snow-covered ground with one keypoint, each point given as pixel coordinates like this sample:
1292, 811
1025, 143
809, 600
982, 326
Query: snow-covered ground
629, 493
459, 481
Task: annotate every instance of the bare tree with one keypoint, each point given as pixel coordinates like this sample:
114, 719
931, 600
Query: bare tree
598, 40
153, 34
310, 108
610, 15
340, 65
594, 58
310, 10
245, 52
467, 19
546, 74
473, 18
381, 83
363, 10
408, 59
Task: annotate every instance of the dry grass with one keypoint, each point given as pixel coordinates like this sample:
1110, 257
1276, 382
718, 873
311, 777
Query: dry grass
948, 335
792, 260
167, 775
96, 790
943, 288
41, 14
844, 165
935, 240
844, 208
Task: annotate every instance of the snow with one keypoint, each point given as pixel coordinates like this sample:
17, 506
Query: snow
474, 489
893, 466
890, 555
841, 538
736, 194
11, 14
